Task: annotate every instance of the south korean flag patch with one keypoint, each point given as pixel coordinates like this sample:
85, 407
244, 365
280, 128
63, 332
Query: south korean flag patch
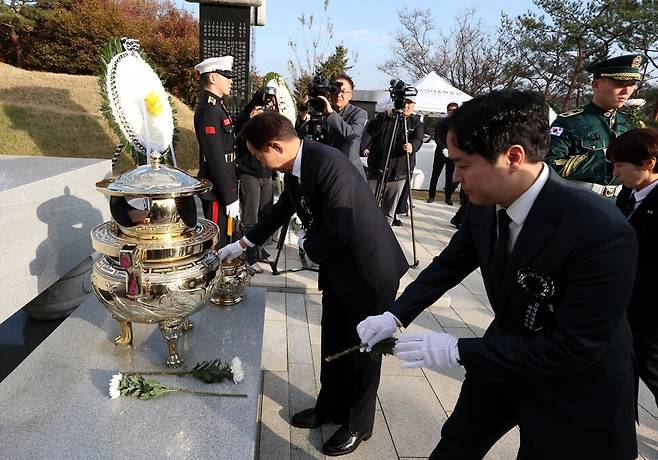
556, 131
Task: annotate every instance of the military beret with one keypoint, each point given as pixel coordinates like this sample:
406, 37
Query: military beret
222, 65
625, 67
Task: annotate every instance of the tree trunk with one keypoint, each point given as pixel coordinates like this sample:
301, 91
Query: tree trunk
574, 76
13, 37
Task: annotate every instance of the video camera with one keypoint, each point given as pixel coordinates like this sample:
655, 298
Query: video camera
320, 86
399, 91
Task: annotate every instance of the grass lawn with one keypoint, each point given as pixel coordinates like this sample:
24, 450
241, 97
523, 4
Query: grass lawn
46, 114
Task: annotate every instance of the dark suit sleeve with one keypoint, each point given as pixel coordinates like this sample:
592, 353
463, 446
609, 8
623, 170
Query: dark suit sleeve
352, 130
270, 222
454, 263
597, 288
221, 173
336, 187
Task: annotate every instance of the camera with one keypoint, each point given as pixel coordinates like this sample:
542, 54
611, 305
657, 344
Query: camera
320, 86
399, 91
269, 98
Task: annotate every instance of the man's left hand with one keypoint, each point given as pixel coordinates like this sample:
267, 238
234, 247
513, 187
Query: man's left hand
427, 349
327, 105
407, 148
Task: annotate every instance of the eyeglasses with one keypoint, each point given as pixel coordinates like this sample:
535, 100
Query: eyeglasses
344, 92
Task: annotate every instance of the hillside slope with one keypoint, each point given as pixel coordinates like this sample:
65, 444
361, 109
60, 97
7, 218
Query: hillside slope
47, 114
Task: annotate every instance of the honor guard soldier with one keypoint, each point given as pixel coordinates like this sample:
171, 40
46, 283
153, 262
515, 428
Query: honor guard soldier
214, 132
579, 138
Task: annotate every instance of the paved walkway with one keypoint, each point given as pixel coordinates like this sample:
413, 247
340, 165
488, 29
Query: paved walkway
412, 403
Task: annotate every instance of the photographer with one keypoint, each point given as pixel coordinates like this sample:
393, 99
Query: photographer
255, 179
397, 169
345, 122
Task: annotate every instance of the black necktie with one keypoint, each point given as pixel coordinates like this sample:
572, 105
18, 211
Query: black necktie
630, 205
499, 259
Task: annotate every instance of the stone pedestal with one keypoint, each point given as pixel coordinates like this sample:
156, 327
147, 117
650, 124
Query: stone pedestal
56, 403
48, 207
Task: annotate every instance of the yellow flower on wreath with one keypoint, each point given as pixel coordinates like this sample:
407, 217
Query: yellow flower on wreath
153, 103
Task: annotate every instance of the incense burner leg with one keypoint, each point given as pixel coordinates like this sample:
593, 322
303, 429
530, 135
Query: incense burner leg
126, 336
171, 330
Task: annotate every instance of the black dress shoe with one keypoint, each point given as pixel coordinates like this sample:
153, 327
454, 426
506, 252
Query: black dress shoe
344, 442
308, 418
455, 223
397, 223
449, 201
430, 199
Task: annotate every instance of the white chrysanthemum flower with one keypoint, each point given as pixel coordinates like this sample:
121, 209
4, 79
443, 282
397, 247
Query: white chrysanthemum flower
114, 386
237, 370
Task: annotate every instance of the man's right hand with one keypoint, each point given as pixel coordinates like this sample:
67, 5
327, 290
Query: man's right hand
374, 329
231, 251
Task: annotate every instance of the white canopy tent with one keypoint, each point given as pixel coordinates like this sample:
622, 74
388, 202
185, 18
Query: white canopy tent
434, 95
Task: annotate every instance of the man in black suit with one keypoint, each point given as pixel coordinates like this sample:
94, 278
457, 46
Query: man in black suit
360, 264
440, 160
558, 265
634, 156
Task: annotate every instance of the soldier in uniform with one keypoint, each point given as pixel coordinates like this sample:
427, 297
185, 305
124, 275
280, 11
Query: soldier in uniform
579, 138
214, 132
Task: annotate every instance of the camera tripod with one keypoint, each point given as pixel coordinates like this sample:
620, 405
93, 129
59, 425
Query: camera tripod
381, 184
279, 247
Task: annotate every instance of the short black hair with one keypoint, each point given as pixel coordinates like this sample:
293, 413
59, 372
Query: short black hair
635, 147
266, 127
344, 76
452, 104
489, 124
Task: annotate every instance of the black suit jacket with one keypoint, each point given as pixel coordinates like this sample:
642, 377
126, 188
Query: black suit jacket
643, 307
568, 372
347, 234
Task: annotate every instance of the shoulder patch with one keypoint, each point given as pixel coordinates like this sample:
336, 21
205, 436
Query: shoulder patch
556, 130
571, 113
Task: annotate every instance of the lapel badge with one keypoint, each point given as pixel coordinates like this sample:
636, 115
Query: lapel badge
212, 100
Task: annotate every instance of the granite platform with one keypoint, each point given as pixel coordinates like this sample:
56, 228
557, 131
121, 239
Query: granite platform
56, 403
48, 206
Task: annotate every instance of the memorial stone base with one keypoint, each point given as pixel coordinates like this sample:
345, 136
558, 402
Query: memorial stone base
56, 403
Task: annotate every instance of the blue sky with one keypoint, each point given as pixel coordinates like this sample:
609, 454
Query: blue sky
363, 26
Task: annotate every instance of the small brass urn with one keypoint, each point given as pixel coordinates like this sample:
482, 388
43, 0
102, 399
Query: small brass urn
157, 264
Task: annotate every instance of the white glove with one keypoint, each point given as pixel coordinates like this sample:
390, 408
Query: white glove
233, 209
231, 251
374, 329
427, 349
445, 152
302, 238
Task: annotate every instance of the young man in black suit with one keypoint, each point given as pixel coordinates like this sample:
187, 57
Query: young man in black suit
360, 262
558, 265
634, 156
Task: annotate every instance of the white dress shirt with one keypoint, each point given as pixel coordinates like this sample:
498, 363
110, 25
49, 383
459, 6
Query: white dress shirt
297, 165
519, 209
642, 194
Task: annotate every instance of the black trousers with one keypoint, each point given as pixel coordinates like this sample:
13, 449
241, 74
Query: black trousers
212, 210
441, 160
256, 199
348, 391
645, 347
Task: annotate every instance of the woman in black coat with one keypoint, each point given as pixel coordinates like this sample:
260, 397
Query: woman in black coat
635, 158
